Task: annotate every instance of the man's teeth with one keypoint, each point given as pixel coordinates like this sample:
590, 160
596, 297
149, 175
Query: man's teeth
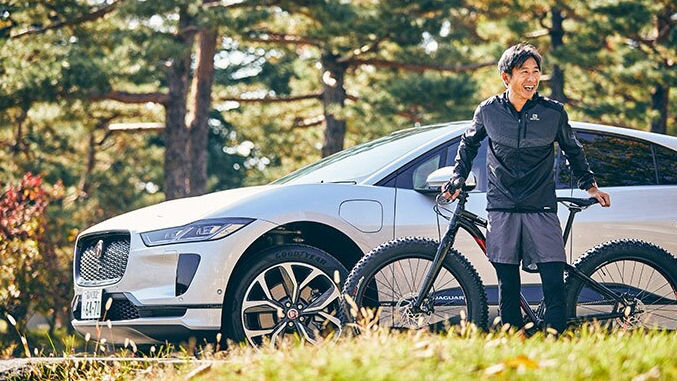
529, 87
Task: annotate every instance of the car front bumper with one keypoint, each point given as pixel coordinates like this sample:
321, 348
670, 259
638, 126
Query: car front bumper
148, 303
196, 322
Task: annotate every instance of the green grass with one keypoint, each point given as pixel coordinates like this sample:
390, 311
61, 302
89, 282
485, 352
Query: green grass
587, 354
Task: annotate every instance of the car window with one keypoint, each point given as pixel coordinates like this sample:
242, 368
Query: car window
618, 161
666, 161
414, 175
358, 162
420, 174
479, 164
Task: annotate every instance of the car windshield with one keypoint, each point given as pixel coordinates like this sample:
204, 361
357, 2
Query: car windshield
357, 163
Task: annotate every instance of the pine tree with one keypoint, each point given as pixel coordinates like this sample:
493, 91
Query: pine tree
397, 36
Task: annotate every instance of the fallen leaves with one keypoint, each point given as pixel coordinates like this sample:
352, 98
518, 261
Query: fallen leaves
520, 363
653, 374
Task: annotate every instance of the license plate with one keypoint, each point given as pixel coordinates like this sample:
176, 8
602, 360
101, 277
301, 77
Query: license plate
91, 304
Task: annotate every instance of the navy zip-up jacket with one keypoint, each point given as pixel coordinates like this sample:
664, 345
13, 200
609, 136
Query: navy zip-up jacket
521, 155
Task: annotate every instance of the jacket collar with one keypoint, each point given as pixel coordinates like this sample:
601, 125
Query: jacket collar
529, 104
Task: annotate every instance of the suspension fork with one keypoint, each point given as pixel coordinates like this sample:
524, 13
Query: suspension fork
442, 251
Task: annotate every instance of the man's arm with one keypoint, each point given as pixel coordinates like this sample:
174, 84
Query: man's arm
573, 150
467, 150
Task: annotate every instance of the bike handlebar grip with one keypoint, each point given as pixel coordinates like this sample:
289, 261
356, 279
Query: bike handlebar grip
446, 187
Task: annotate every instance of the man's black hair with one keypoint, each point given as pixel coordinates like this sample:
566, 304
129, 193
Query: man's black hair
516, 55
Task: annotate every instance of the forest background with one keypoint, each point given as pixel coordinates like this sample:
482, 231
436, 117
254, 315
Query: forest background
107, 106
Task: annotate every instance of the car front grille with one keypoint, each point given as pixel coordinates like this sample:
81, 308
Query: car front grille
122, 310
101, 259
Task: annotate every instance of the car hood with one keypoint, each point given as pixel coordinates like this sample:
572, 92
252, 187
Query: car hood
181, 211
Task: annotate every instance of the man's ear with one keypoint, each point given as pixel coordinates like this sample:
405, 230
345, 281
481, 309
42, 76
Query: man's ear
506, 78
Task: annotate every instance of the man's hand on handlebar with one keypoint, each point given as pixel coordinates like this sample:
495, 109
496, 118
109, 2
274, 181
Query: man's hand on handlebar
450, 187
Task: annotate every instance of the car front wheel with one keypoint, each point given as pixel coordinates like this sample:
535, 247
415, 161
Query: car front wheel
290, 290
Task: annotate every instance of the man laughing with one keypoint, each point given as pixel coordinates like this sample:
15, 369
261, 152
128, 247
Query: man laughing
522, 127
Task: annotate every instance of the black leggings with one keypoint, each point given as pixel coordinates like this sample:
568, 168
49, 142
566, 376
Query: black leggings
552, 278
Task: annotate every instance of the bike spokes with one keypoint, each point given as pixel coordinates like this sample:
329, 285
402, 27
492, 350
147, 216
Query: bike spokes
393, 289
649, 299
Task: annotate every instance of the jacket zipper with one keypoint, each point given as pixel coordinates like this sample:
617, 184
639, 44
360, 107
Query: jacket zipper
519, 129
519, 156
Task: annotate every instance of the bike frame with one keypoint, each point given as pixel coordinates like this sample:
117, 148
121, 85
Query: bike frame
470, 222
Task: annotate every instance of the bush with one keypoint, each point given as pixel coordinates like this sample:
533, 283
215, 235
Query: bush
31, 275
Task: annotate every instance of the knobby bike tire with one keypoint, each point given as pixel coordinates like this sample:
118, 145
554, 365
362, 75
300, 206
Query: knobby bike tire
362, 280
626, 257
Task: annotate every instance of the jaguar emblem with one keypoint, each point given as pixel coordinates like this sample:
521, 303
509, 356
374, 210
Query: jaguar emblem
98, 249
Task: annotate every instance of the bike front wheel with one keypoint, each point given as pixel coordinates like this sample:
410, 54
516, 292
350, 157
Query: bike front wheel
642, 274
389, 278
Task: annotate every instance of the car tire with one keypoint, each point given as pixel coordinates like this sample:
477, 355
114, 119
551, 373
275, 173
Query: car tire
285, 291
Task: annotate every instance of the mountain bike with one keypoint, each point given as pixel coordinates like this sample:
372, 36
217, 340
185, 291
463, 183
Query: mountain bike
419, 283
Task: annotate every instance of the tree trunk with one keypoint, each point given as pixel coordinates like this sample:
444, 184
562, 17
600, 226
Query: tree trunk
333, 99
102, 125
51, 321
556, 37
19, 138
201, 106
83, 185
660, 94
659, 102
177, 180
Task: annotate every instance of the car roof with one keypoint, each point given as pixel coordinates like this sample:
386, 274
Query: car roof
454, 129
661, 139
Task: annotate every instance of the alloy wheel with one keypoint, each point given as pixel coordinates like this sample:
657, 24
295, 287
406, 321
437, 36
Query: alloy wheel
291, 298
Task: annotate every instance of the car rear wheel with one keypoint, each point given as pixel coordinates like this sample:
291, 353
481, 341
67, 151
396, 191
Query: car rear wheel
290, 290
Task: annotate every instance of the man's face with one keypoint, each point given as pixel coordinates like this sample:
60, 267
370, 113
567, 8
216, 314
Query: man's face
524, 80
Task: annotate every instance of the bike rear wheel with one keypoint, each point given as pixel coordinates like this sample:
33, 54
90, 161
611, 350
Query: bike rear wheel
388, 280
642, 273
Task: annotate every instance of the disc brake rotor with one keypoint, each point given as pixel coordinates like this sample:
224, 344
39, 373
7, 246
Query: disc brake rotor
405, 316
635, 317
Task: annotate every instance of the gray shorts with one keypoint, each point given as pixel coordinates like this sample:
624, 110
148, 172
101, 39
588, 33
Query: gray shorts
530, 237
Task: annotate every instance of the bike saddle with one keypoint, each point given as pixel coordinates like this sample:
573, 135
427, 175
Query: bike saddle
580, 202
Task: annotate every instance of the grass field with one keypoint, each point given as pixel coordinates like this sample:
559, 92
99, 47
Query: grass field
587, 354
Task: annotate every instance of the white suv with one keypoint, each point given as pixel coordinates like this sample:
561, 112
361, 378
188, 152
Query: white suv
265, 261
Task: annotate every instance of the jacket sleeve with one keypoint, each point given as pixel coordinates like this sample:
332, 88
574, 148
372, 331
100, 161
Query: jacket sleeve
467, 148
573, 150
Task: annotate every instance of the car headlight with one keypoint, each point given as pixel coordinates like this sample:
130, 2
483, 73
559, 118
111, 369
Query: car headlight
203, 230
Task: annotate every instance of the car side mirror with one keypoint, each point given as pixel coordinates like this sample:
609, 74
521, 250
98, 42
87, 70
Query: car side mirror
438, 178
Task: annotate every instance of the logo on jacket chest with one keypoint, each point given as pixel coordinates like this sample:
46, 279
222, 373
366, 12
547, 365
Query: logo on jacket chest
534, 117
